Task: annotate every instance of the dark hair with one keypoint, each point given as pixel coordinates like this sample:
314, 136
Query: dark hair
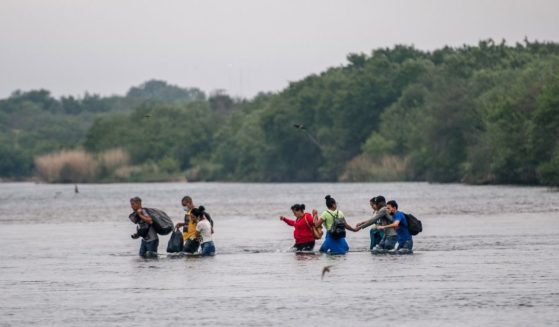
379, 199
298, 207
186, 198
329, 201
198, 212
392, 203
136, 199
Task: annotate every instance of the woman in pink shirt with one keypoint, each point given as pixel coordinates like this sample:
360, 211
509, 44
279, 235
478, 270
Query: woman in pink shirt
304, 238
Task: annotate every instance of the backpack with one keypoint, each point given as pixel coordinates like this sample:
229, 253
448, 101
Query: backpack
337, 230
316, 231
414, 224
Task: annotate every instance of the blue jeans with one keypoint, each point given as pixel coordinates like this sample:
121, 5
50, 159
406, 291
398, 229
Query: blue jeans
387, 243
405, 248
208, 248
150, 246
376, 237
333, 246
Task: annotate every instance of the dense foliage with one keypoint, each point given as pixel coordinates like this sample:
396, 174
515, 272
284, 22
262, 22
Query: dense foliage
477, 114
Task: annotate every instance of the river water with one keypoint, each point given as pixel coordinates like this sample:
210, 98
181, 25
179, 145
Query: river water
489, 255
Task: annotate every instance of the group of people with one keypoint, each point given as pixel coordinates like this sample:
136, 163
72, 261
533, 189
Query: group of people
197, 229
389, 228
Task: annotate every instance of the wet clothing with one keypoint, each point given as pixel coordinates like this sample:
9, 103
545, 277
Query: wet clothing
309, 246
405, 248
146, 247
208, 248
332, 246
205, 229
145, 230
388, 242
382, 218
328, 215
302, 232
376, 237
189, 229
151, 234
191, 246
150, 240
402, 229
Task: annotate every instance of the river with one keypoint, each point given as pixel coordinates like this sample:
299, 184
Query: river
488, 255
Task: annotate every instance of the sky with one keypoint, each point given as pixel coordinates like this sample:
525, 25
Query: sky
240, 46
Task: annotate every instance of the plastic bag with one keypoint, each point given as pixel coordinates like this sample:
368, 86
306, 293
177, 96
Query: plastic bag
175, 242
162, 224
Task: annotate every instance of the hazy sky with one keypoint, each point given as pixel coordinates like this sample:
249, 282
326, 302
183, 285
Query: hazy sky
106, 46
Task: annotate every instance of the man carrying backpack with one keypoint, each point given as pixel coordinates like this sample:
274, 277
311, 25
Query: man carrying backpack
150, 240
382, 239
405, 242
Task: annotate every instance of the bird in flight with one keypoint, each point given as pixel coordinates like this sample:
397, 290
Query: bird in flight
325, 270
299, 126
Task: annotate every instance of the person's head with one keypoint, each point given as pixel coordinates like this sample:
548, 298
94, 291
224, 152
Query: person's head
136, 203
378, 202
298, 210
330, 202
392, 206
198, 213
187, 202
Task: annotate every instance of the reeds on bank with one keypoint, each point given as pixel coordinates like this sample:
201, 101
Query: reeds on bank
78, 166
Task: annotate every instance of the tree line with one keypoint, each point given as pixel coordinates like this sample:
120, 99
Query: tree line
486, 113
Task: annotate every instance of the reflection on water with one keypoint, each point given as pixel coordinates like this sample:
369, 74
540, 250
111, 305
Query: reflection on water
488, 256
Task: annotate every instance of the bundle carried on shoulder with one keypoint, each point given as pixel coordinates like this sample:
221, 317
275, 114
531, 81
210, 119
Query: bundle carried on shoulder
414, 225
162, 224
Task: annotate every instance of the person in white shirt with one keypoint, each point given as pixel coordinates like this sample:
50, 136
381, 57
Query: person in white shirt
203, 231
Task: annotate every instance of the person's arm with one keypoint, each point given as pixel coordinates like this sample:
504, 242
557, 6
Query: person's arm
144, 216
395, 224
348, 226
288, 221
373, 220
179, 225
317, 220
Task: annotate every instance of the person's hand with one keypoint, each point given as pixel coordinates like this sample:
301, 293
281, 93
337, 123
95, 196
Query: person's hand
314, 212
282, 218
178, 225
139, 211
134, 236
380, 227
357, 228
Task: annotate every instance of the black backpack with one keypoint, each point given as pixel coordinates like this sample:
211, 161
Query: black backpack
414, 224
337, 230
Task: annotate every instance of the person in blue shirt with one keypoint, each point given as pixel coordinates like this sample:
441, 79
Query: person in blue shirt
405, 242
